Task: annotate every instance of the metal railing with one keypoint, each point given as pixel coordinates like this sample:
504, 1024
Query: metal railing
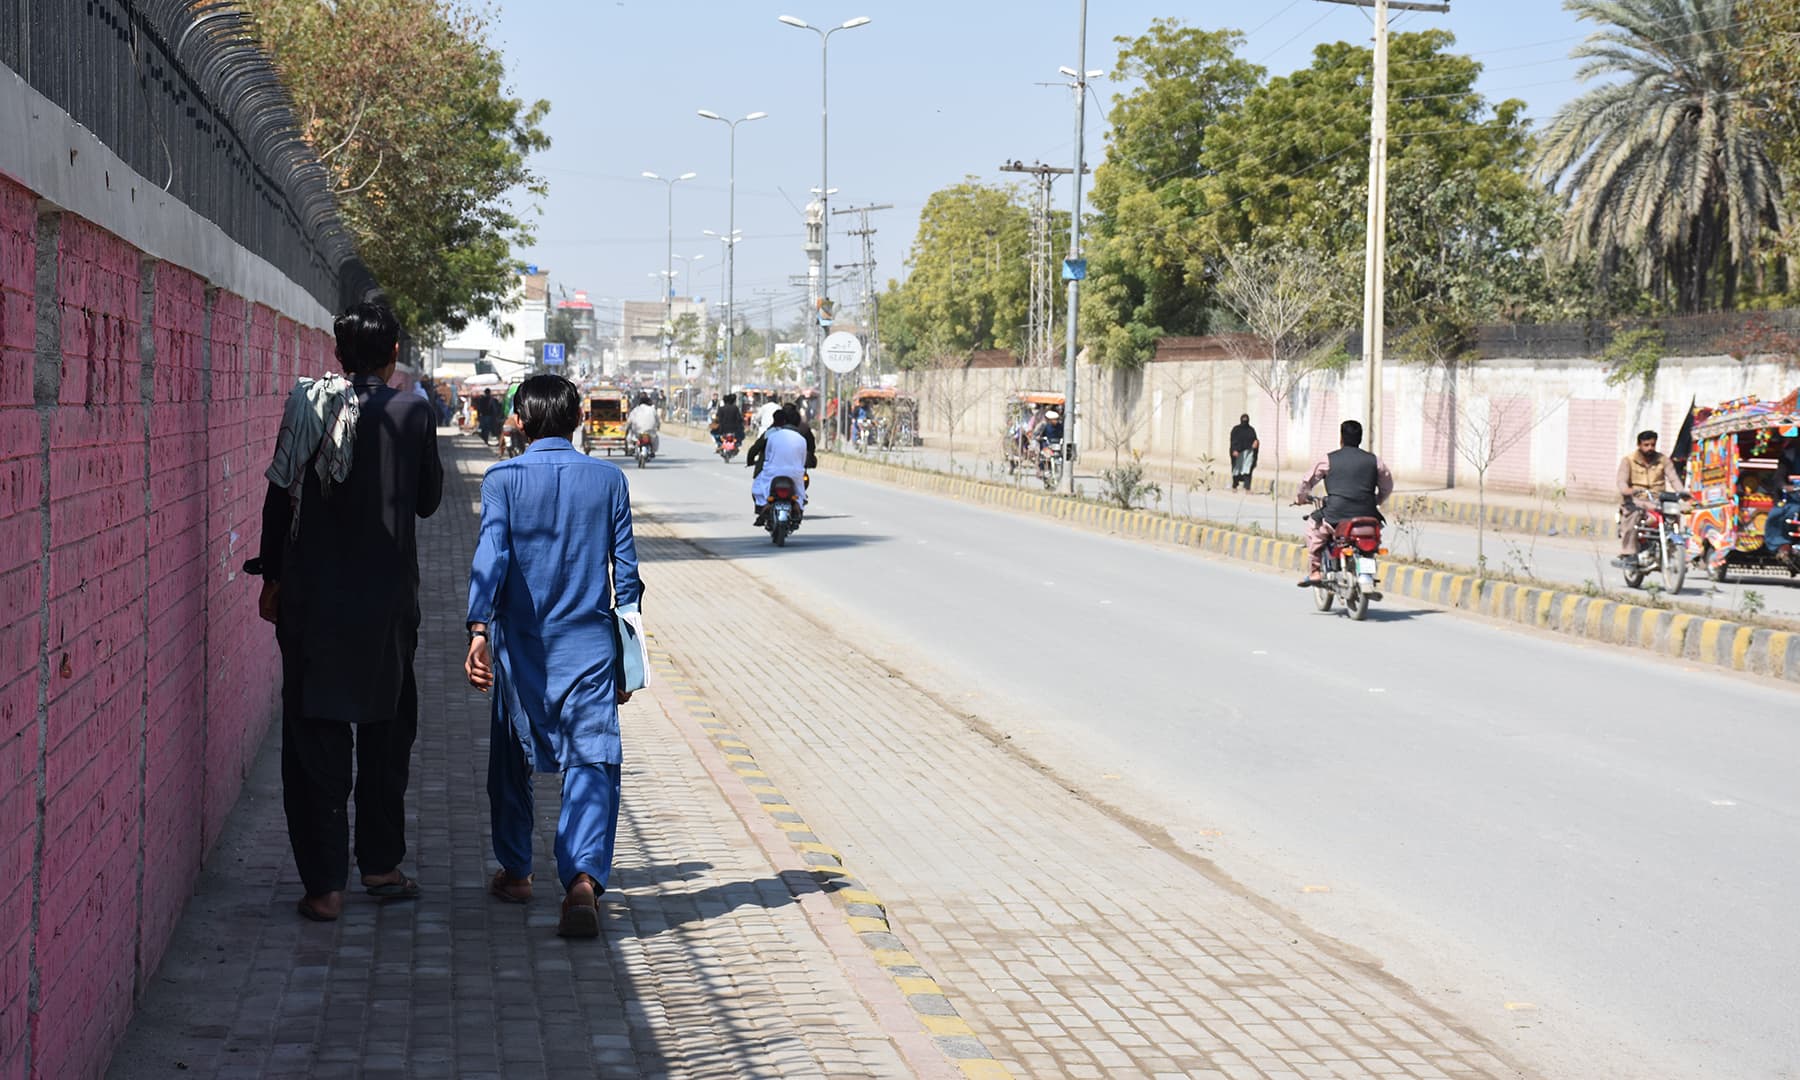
182, 92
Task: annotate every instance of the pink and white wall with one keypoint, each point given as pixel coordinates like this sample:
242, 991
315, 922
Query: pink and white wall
141, 383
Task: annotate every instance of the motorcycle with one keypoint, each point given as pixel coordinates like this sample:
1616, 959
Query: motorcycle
643, 451
1662, 543
728, 447
1349, 570
782, 512
1050, 464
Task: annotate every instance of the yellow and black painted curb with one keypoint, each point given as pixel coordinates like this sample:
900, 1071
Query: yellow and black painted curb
1719, 642
863, 910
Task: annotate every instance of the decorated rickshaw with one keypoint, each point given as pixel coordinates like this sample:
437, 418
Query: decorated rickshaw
1735, 477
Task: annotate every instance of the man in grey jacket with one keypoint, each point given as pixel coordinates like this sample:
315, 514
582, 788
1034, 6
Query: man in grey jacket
341, 584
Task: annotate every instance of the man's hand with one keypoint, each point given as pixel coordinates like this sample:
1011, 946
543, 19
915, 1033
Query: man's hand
268, 605
622, 696
479, 666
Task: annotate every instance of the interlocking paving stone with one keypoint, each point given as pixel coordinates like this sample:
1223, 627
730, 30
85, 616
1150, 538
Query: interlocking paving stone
707, 965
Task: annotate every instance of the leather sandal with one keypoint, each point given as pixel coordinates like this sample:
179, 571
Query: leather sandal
580, 916
514, 890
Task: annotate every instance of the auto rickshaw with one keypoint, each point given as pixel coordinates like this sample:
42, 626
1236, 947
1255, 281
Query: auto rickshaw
605, 420
1023, 413
1735, 476
893, 417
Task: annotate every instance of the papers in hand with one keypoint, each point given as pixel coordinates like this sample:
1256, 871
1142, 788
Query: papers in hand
634, 652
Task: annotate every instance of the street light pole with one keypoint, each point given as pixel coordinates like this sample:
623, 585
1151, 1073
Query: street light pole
818, 329
731, 231
1081, 75
668, 334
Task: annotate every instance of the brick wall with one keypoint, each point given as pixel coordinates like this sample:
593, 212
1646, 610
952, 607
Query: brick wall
138, 407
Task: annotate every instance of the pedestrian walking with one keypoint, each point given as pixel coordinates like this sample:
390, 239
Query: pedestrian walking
1244, 445
554, 556
489, 415
356, 465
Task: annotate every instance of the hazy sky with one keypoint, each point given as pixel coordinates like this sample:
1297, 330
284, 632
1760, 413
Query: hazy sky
927, 93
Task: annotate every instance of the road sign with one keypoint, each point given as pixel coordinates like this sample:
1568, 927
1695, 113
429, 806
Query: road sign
1074, 270
843, 352
553, 353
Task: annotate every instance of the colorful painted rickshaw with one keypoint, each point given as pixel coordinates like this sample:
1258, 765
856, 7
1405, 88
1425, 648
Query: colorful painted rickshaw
1735, 477
893, 416
605, 420
1024, 414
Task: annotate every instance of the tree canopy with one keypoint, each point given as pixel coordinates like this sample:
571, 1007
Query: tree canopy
967, 287
406, 104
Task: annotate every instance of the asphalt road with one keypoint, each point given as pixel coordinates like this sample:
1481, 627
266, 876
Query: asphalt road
1577, 561
1587, 855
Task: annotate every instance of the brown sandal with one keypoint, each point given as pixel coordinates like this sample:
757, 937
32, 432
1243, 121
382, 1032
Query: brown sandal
513, 890
580, 918
310, 913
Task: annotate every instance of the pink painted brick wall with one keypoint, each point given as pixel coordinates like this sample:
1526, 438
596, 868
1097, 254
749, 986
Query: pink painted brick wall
1511, 420
96, 650
1440, 426
124, 503
21, 592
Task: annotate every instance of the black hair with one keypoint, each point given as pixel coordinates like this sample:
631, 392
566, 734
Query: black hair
787, 416
644, 399
731, 399
1642, 435
366, 336
1350, 433
549, 406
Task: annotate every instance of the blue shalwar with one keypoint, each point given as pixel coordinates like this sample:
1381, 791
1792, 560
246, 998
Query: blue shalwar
555, 548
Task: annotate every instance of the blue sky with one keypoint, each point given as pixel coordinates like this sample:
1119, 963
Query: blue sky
927, 93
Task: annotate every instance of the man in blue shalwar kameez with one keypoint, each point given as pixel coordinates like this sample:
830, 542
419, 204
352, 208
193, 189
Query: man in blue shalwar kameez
555, 547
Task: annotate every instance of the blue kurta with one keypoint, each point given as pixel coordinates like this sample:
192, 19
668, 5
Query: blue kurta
555, 543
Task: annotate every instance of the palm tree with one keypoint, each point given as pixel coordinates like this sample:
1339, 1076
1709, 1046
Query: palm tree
1664, 168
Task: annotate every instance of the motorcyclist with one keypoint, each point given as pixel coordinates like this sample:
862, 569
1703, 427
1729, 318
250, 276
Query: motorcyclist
643, 420
1356, 484
729, 420
781, 451
1643, 475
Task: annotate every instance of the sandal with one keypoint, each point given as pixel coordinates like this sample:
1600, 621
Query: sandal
580, 919
513, 890
404, 889
310, 913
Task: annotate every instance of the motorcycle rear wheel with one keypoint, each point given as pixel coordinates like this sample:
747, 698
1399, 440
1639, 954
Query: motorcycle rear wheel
1322, 597
1357, 605
1634, 578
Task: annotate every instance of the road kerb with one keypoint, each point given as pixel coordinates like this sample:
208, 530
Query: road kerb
1717, 642
864, 913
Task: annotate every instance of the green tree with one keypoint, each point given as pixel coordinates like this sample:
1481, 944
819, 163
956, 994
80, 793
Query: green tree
1141, 285
1768, 70
966, 286
1663, 171
561, 328
406, 104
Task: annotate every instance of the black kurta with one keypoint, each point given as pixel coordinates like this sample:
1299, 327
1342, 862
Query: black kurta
349, 613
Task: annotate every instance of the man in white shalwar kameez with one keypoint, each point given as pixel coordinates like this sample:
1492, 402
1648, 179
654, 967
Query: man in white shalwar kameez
783, 454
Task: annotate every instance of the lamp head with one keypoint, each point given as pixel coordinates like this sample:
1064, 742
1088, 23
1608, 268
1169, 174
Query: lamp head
860, 20
757, 116
651, 176
791, 21
709, 114
687, 176
1069, 71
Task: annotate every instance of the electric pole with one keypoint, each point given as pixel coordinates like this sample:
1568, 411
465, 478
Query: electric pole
1041, 315
866, 307
1375, 245
1074, 267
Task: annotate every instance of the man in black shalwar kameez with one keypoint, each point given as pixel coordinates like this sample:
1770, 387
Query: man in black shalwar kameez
342, 588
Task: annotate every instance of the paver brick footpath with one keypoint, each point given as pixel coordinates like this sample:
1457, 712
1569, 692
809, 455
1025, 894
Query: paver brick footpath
1072, 945
714, 957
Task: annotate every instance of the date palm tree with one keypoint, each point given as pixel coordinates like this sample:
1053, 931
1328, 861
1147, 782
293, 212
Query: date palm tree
1663, 169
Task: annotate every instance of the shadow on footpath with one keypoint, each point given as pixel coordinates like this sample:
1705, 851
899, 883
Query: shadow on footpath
651, 915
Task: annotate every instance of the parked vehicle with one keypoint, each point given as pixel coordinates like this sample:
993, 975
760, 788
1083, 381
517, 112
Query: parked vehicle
1351, 574
1735, 478
784, 511
1662, 544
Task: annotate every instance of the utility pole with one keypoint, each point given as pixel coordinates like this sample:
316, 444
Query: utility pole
866, 306
1074, 268
1041, 315
1374, 335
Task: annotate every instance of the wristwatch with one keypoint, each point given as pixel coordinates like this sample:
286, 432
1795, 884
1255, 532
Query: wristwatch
474, 633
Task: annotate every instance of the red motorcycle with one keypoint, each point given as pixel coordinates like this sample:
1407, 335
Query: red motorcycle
1349, 570
643, 451
728, 447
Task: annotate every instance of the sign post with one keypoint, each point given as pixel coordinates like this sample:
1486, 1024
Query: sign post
553, 353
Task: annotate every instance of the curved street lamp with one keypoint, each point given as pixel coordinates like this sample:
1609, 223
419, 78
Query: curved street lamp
669, 271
